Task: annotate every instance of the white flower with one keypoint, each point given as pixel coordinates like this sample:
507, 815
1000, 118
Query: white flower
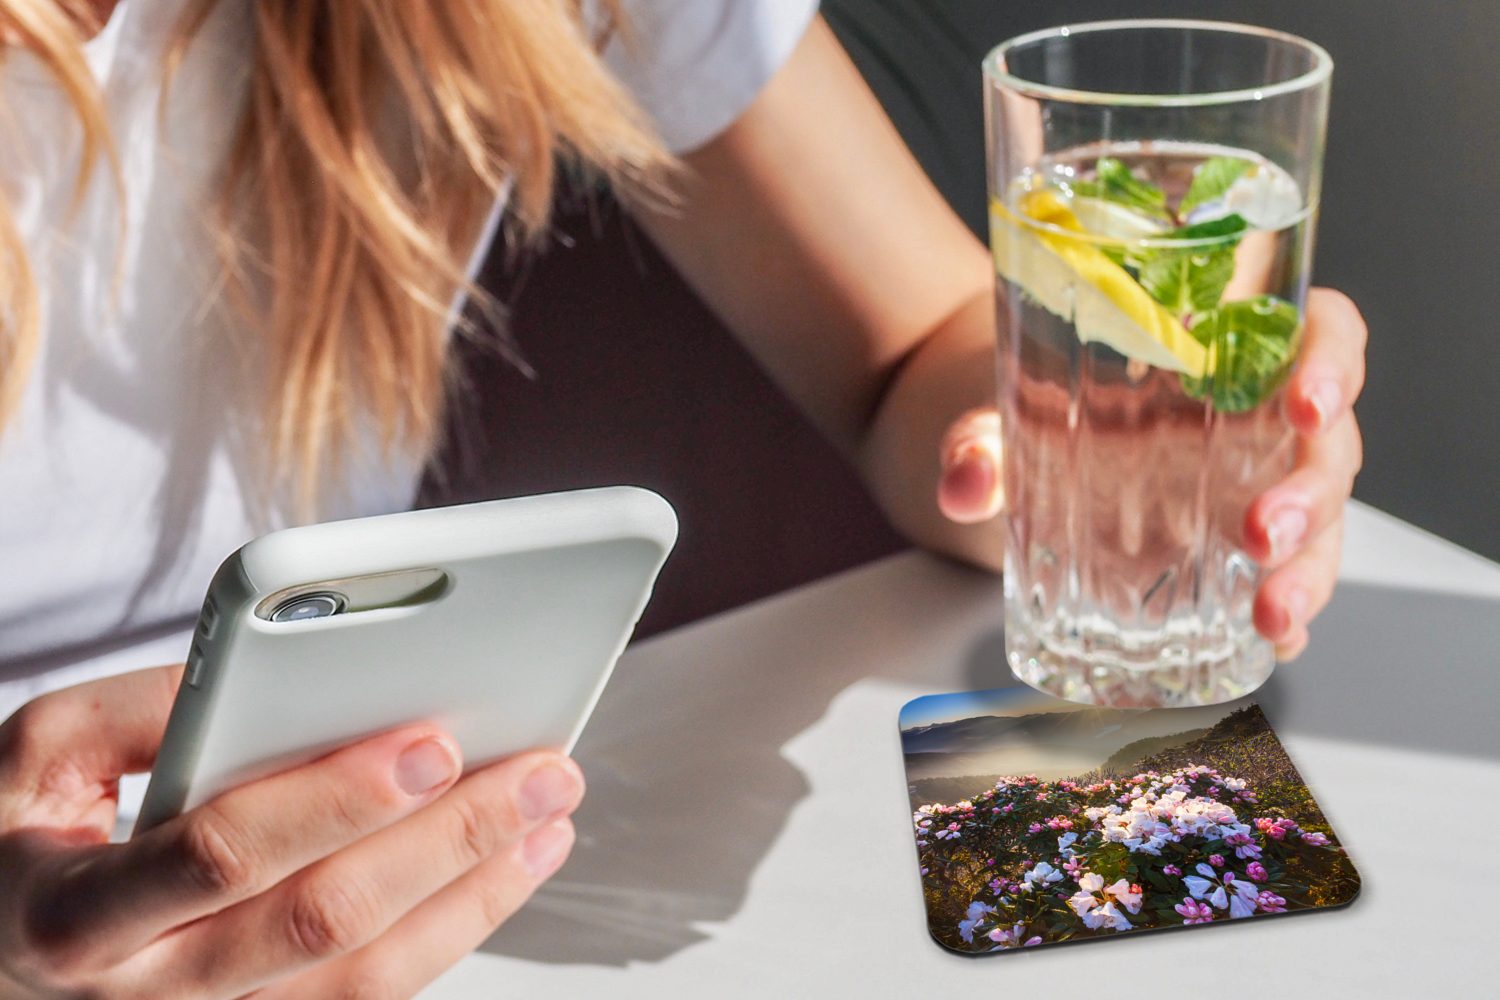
1107, 915
1065, 843
1089, 882
1201, 887
1042, 875
1128, 896
1083, 903
1236, 894
1241, 907
977, 912
1009, 937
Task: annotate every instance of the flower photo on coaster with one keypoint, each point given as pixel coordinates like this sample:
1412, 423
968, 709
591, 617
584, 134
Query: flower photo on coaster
1040, 821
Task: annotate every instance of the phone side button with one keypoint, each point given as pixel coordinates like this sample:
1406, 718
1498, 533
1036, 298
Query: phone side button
194, 673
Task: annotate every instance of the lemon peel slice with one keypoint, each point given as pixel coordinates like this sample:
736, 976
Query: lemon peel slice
1077, 281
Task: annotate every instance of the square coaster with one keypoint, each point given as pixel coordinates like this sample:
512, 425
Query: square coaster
1038, 821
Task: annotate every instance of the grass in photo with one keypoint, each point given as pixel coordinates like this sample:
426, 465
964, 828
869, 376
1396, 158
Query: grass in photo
1039, 821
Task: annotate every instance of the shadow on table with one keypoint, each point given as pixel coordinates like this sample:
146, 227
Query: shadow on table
688, 787
1399, 668
1386, 665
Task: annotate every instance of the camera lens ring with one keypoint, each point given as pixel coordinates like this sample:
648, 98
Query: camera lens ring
308, 606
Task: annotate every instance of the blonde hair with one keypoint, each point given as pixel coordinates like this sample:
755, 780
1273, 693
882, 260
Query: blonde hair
345, 254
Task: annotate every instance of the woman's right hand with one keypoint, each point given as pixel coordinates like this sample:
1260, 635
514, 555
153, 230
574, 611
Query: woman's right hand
367, 872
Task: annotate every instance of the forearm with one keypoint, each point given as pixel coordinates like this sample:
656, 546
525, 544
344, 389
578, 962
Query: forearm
950, 372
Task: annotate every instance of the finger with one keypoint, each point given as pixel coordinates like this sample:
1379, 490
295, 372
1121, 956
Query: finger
1331, 371
1294, 594
442, 929
99, 730
1301, 506
112, 903
1290, 648
969, 487
351, 898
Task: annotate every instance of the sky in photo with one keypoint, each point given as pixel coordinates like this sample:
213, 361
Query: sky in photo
1046, 744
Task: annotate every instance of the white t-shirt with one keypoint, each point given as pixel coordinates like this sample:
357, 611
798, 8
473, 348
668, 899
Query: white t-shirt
125, 477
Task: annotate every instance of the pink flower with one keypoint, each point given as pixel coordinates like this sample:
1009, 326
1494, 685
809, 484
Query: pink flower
1217, 860
1027, 863
1073, 867
954, 826
995, 810
1007, 808
1171, 870
1034, 828
1243, 846
1256, 872
996, 885
1269, 902
990, 863
1315, 839
1194, 912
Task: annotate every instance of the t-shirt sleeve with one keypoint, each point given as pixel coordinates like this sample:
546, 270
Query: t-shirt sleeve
695, 65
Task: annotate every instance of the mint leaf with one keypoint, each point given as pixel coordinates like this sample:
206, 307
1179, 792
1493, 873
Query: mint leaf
1229, 225
1211, 180
1192, 279
1114, 182
1187, 281
1250, 345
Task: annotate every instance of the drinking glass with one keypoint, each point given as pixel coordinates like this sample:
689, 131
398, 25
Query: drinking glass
1153, 188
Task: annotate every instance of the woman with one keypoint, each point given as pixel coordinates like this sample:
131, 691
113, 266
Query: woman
175, 378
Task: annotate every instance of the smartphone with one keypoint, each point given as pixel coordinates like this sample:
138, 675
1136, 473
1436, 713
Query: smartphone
500, 621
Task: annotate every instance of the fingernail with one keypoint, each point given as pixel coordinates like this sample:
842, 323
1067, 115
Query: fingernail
971, 480
549, 790
1324, 395
544, 851
1285, 531
1296, 607
425, 765
968, 450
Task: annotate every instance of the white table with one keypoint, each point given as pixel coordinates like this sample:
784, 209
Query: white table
747, 833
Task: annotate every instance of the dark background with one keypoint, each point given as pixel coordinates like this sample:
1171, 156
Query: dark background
636, 382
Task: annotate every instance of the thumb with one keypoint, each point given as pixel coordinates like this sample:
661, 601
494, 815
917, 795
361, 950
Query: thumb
970, 487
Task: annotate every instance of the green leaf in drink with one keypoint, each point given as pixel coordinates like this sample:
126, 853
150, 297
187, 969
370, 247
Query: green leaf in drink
1250, 343
1113, 181
1191, 279
1211, 181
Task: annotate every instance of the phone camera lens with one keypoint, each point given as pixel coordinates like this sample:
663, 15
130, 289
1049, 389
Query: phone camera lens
306, 606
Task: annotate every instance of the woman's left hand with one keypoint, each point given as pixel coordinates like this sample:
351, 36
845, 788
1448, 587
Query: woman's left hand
1296, 528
